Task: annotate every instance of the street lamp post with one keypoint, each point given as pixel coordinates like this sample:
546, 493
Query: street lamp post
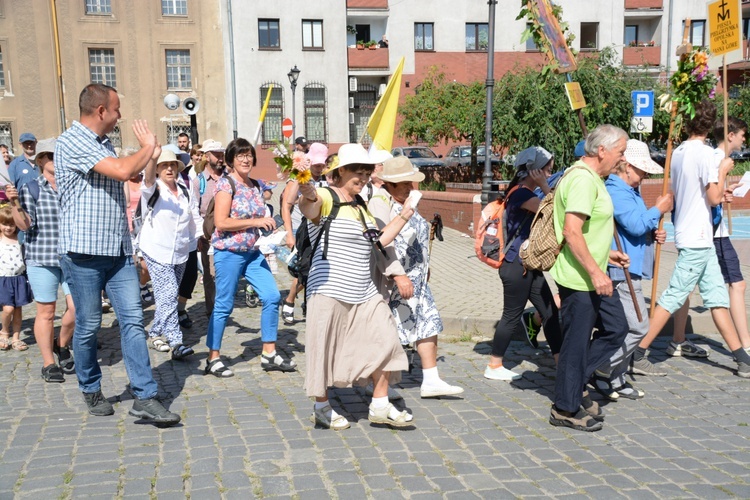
489, 84
293, 76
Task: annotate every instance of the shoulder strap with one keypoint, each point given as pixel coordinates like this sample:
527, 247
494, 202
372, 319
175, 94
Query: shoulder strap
184, 189
33, 187
153, 199
327, 223
232, 184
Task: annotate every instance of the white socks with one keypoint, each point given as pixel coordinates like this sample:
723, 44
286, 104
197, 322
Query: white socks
430, 376
380, 402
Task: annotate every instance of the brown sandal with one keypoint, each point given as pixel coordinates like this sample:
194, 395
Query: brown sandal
4, 343
19, 345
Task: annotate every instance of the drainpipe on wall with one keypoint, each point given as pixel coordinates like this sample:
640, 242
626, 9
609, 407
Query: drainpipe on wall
231, 69
56, 35
669, 38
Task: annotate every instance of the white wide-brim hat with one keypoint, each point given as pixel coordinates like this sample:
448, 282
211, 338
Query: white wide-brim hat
400, 169
638, 155
211, 145
168, 155
353, 154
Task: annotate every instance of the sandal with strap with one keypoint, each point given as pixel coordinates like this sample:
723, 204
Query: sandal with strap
388, 415
158, 344
217, 368
19, 345
603, 386
181, 351
4, 343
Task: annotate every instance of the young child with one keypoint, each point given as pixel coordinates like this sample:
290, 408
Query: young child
14, 287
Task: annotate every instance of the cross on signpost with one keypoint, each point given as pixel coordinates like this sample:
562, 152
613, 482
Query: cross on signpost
724, 11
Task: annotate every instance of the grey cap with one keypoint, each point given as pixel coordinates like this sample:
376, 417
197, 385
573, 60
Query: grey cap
533, 158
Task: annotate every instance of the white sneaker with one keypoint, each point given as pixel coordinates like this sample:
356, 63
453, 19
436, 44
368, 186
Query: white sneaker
501, 373
442, 388
392, 394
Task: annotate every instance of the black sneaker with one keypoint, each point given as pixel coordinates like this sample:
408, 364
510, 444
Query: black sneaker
98, 404
52, 373
276, 363
152, 409
531, 328
64, 359
181, 352
184, 319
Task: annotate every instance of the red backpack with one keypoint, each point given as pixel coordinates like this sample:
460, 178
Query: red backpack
489, 244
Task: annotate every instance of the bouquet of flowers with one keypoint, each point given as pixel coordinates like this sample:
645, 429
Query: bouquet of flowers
691, 83
294, 166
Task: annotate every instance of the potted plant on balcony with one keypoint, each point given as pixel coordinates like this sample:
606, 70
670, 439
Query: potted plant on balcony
350, 29
361, 44
651, 43
372, 45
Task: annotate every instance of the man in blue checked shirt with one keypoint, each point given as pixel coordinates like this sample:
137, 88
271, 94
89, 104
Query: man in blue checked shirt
95, 249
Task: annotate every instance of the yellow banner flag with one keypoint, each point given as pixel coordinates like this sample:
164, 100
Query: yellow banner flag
382, 123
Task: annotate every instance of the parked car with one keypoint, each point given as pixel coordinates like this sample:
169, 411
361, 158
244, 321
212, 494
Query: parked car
743, 155
460, 156
420, 156
658, 155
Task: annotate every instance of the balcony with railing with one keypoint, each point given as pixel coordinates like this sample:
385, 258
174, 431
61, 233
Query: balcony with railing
367, 4
367, 58
644, 4
643, 54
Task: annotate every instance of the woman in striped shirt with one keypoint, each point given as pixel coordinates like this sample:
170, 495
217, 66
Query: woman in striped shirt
351, 334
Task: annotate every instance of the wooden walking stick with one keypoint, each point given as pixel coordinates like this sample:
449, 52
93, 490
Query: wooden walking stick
629, 280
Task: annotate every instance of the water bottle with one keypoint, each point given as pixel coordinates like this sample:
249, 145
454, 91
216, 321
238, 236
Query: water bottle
287, 256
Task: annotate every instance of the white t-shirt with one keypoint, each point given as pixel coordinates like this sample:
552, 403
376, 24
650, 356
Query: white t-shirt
693, 168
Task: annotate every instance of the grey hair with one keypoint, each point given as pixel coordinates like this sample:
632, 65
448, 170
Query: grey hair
606, 136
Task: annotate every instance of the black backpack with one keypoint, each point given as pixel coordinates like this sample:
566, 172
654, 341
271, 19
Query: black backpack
139, 215
306, 248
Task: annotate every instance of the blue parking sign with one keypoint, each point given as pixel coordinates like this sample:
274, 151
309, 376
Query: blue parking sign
643, 102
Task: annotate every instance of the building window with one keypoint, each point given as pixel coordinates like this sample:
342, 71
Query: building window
178, 70
6, 135
174, 7
477, 37
98, 7
697, 33
631, 35
316, 125
2, 70
268, 34
312, 34
174, 129
102, 66
423, 36
274, 113
530, 43
589, 36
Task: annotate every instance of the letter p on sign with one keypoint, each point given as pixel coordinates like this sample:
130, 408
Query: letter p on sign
643, 102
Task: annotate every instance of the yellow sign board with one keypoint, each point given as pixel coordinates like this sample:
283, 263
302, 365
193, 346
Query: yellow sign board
724, 26
575, 95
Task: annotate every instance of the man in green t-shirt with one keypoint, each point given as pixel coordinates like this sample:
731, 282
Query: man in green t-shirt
583, 218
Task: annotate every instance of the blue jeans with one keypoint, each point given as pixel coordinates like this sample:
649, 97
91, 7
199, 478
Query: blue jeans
87, 275
229, 267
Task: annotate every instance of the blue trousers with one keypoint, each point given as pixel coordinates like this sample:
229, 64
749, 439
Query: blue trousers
580, 354
229, 267
87, 275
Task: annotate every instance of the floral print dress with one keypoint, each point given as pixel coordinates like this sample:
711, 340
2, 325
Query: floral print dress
417, 318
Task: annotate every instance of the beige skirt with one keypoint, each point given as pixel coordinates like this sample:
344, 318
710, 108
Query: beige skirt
347, 343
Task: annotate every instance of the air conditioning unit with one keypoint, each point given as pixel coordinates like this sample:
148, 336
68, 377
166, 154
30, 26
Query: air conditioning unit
351, 103
351, 118
352, 84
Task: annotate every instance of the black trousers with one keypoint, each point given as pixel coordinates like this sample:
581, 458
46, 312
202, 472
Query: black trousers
187, 285
580, 354
520, 286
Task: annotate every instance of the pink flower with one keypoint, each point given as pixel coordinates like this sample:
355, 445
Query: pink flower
300, 161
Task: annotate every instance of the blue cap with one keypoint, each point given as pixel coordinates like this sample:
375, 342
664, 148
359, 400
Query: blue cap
580, 151
27, 137
173, 148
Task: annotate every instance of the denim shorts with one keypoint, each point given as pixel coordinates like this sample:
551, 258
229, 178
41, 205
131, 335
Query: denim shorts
695, 266
729, 262
44, 281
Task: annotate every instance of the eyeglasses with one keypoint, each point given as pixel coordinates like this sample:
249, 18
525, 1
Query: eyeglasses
245, 157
